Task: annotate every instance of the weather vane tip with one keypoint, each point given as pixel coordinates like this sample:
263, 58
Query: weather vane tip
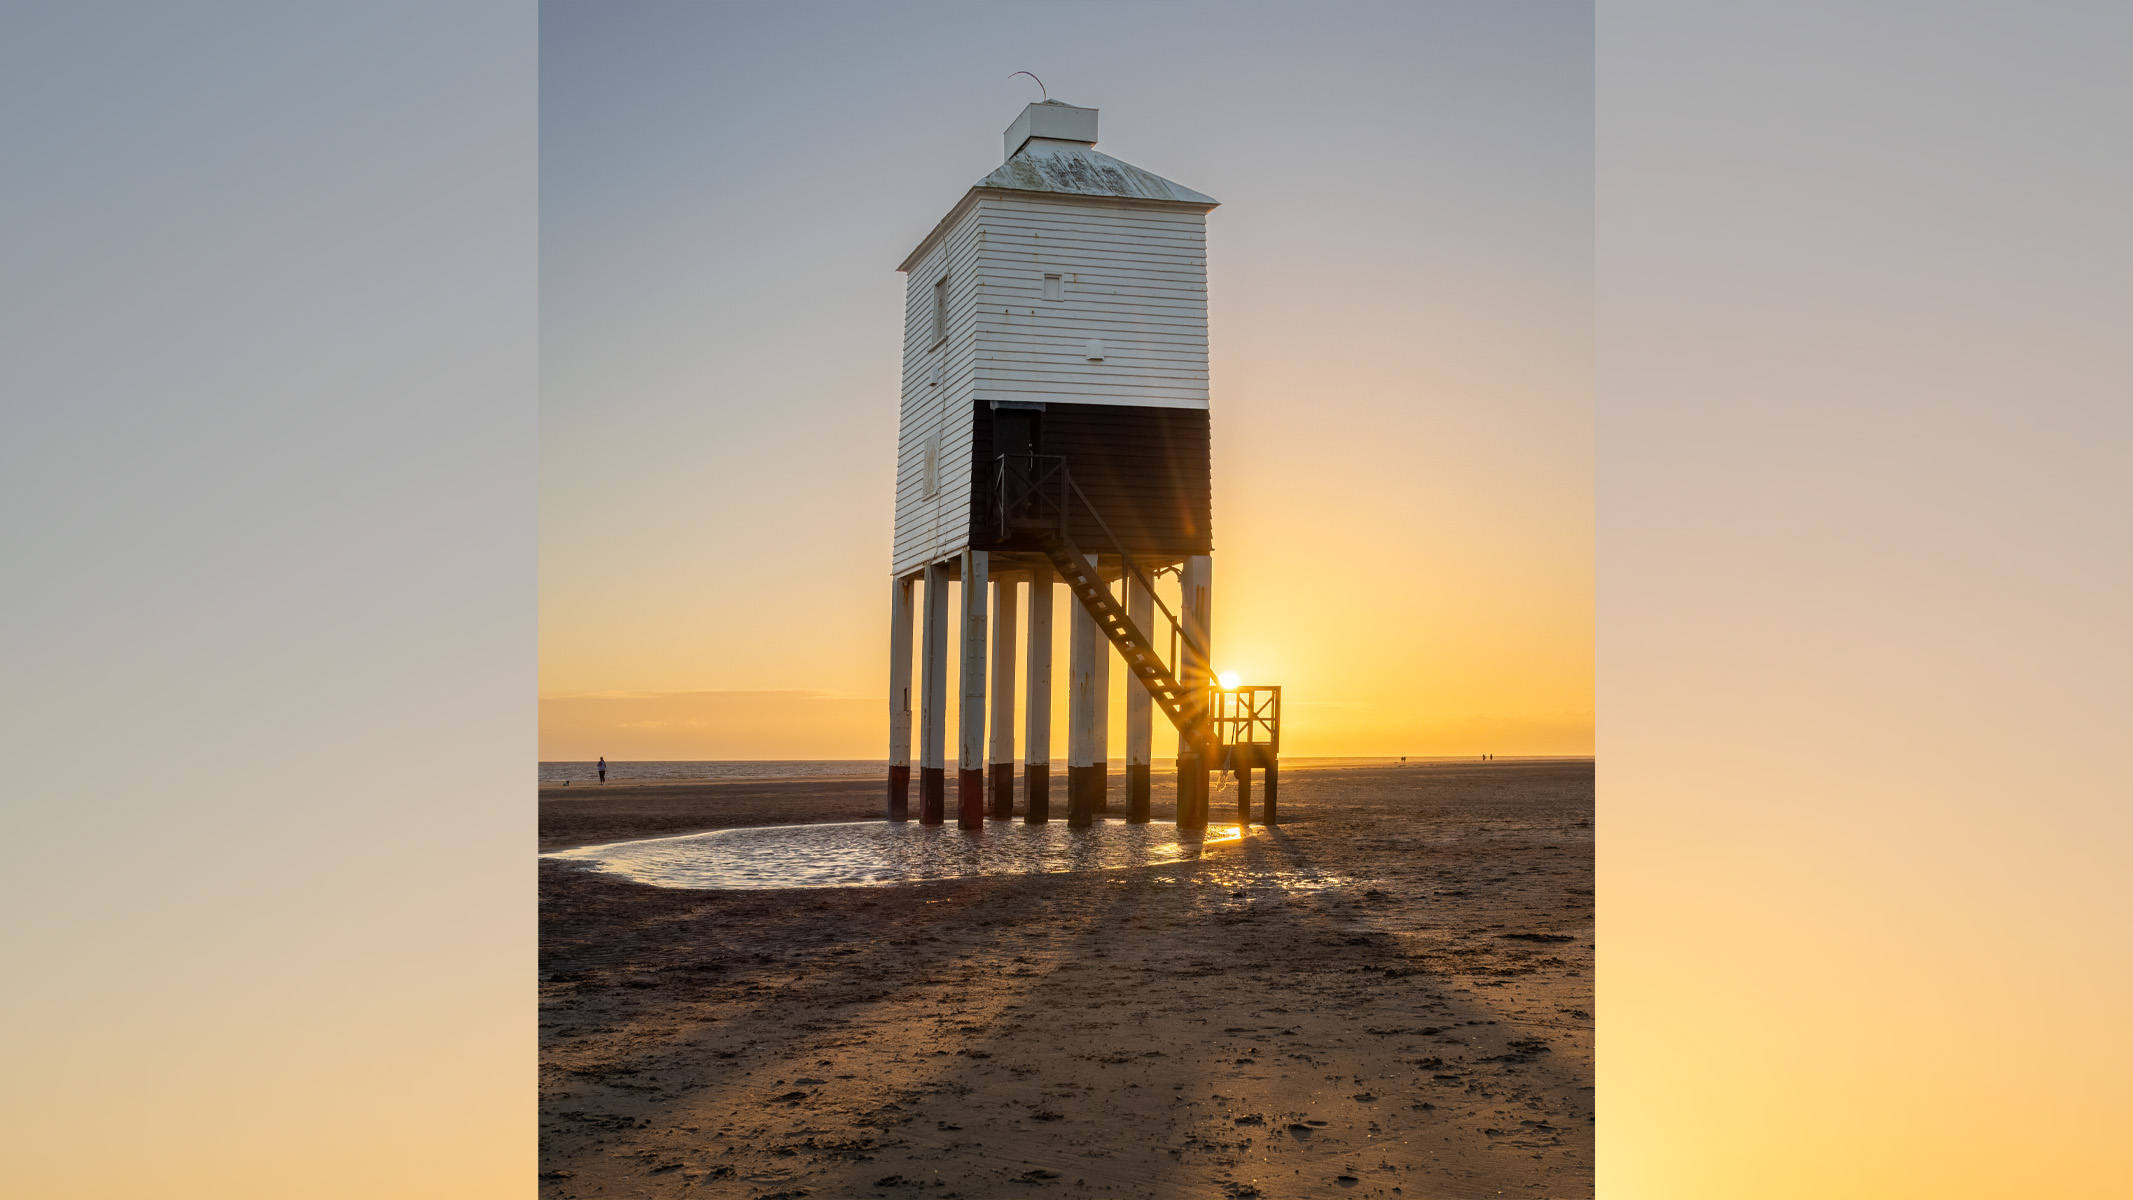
1039, 82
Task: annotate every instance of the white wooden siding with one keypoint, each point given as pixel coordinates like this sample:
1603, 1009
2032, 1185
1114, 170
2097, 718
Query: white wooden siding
929, 528
1135, 279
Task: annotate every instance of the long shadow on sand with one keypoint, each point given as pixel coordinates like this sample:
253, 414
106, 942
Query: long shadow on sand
1255, 1022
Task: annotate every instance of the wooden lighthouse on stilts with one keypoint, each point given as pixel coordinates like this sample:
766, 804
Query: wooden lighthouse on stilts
1055, 432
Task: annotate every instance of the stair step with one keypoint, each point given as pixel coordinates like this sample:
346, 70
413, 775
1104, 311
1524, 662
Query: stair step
1119, 629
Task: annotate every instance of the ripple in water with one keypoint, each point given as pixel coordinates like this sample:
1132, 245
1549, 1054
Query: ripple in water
864, 853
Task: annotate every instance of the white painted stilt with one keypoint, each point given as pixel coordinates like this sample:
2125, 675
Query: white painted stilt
1000, 762
1085, 644
970, 786
1100, 730
1037, 705
933, 700
899, 806
1140, 708
1196, 583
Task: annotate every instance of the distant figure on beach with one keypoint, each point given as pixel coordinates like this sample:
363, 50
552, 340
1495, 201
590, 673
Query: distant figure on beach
603, 768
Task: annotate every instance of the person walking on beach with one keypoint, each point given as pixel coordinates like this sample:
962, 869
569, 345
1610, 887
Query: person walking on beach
603, 768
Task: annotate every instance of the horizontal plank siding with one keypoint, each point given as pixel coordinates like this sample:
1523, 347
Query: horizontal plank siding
1134, 426
1134, 279
928, 529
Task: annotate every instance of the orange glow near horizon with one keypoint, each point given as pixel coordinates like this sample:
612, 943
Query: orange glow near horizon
1424, 588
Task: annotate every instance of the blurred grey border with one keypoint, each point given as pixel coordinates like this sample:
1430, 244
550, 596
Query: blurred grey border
266, 508
267, 454
1865, 565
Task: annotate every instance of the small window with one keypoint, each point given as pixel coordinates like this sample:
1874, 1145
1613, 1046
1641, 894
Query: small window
940, 310
930, 481
1054, 288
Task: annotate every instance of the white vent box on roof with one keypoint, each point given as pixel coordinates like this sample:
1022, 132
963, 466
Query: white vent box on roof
1051, 119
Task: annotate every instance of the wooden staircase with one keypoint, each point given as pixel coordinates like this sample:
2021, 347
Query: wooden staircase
1185, 707
1034, 496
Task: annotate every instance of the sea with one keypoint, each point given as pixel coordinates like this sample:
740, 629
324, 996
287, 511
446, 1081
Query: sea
720, 769
866, 768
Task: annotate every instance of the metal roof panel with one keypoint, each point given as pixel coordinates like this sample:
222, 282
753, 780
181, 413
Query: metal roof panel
1075, 169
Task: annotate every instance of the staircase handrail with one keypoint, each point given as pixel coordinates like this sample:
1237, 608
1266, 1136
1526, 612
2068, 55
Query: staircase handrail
1145, 579
1178, 629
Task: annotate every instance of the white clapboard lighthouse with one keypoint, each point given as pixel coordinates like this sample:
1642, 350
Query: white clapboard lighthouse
1055, 431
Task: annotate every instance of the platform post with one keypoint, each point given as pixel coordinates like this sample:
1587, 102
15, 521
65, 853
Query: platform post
1083, 648
1273, 788
1000, 763
1196, 585
1037, 705
1244, 799
1100, 688
933, 700
1192, 790
899, 807
1140, 708
970, 755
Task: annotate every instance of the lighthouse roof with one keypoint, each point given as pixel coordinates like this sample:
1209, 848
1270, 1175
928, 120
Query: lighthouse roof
1079, 169
1051, 152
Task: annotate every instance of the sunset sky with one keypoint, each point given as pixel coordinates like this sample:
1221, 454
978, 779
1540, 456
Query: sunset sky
1401, 321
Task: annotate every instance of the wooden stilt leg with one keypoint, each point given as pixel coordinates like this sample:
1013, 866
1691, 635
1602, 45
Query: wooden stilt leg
1000, 762
1192, 792
899, 800
970, 773
1037, 706
1084, 646
933, 700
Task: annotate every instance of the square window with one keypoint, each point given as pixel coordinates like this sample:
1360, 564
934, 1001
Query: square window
1054, 288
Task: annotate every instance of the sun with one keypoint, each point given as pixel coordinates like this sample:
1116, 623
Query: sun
1230, 680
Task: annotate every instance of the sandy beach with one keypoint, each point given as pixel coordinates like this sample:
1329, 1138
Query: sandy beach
1388, 995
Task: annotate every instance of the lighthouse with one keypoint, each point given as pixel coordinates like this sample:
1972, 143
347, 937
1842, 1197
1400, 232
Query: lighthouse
1053, 458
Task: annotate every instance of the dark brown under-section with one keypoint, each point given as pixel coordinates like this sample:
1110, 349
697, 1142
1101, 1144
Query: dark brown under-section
970, 798
1001, 781
900, 793
1082, 783
1192, 789
1036, 794
932, 795
1145, 469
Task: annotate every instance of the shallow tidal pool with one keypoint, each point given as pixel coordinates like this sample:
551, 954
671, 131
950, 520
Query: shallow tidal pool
864, 853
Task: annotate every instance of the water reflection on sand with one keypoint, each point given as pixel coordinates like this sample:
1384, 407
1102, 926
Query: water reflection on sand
863, 853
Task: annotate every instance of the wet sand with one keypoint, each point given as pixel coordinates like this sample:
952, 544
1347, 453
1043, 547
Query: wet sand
588, 813
1388, 995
